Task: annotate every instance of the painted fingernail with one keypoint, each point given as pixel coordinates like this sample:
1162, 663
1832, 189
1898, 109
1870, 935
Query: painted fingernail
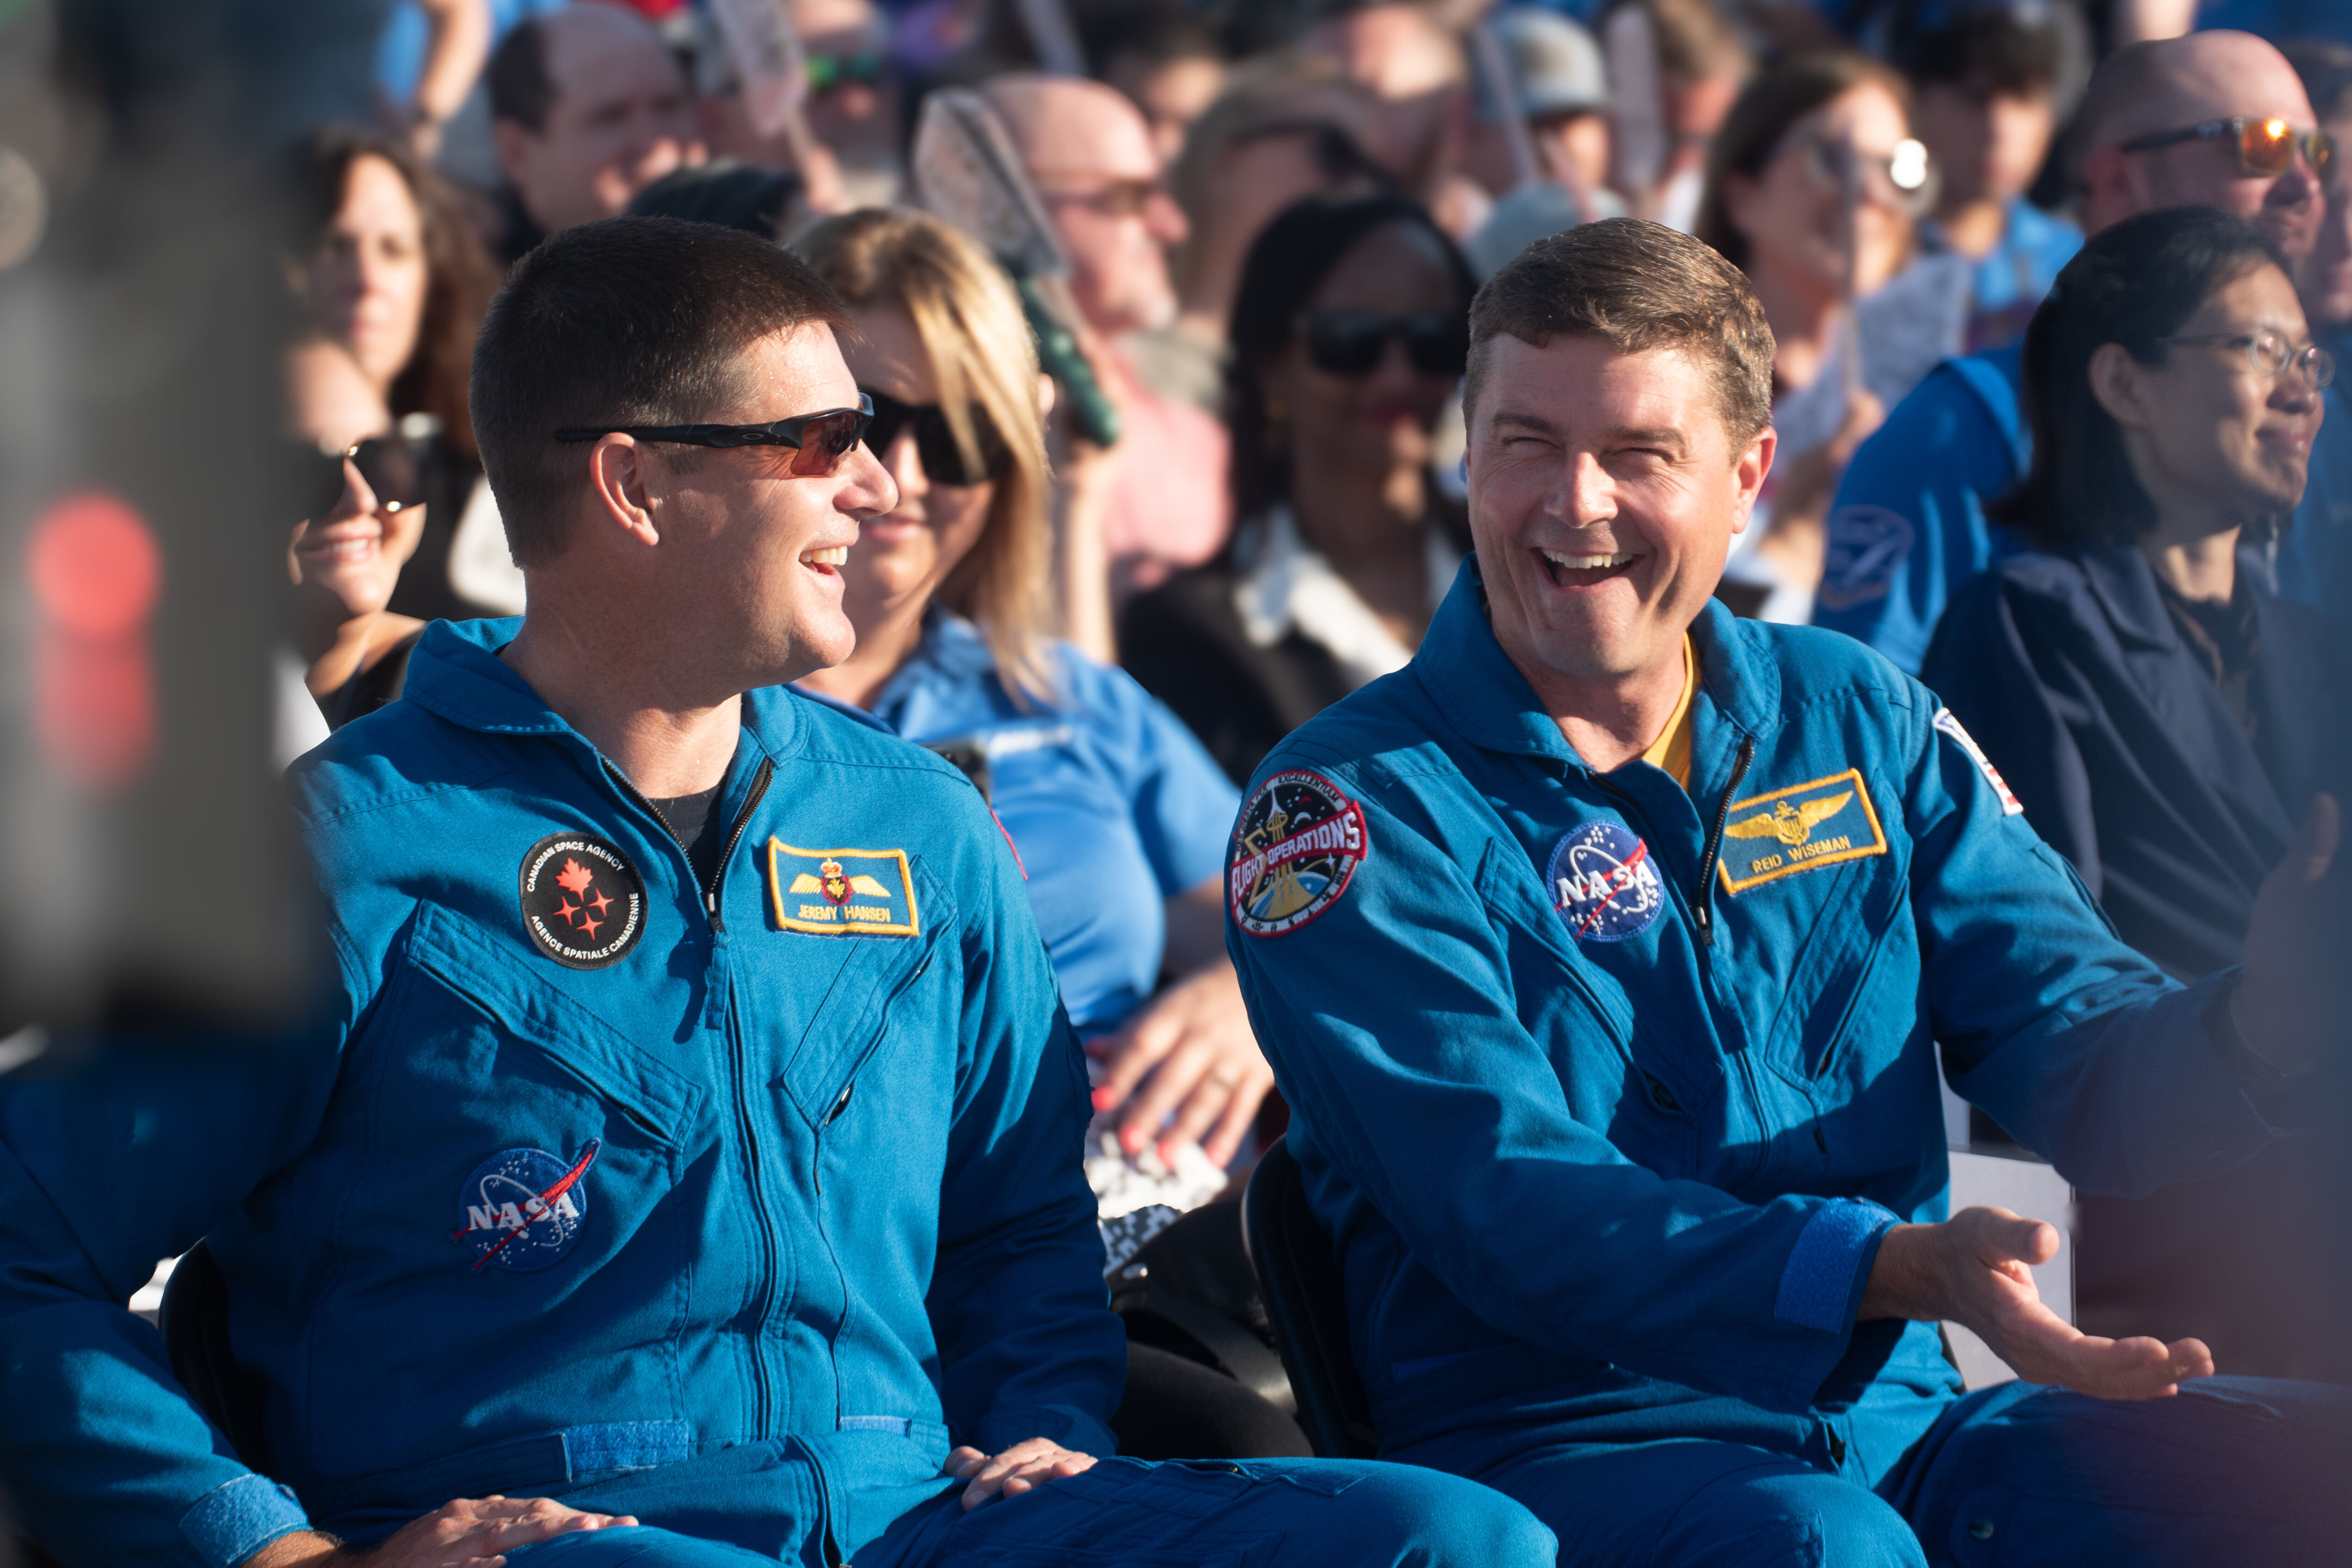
1105, 1098
1168, 1153
1132, 1140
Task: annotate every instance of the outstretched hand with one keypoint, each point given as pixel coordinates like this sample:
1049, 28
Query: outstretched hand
1975, 1270
2295, 990
1016, 1470
465, 1532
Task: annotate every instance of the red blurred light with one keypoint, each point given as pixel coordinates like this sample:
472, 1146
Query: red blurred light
95, 567
96, 573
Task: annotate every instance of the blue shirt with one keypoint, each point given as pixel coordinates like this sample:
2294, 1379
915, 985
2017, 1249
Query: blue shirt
1608, 1134
742, 1199
2009, 280
1112, 804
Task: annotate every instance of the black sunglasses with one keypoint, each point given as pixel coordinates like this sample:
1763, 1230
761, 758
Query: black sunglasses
819, 440
1351, 343
392, 466
2266, 147
935, 442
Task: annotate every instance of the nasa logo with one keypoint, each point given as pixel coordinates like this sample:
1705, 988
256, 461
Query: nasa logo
1604, 884
582, 903
1296, 846
523, 1208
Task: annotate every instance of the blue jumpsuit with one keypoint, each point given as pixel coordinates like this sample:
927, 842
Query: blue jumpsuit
1607, 1135
731, 1207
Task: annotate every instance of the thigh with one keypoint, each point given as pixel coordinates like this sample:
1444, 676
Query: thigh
2232, 1470
1690, 1503
634, 1546
1295, 1513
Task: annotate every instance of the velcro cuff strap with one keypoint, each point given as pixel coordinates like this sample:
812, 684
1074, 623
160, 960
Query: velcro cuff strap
1817, 1288
232, 1522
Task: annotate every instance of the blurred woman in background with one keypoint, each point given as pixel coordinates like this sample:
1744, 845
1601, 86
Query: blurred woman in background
385, 265
1350, 334
1815, 186
2165, 721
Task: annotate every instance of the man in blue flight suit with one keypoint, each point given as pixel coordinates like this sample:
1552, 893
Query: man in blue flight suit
689, 1173
1908, 527
1603, 956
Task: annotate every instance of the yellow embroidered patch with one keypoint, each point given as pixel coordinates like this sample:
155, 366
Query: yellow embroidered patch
842, 892
1785, 831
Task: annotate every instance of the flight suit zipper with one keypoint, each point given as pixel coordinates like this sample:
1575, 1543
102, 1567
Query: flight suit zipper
760, 782
1703, 896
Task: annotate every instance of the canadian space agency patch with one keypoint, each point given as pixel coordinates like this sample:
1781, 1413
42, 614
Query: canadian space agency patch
523, 1208
1299, 842
583, 902
1604, 884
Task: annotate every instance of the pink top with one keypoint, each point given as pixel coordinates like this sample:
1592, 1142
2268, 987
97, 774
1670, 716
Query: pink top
1168, 508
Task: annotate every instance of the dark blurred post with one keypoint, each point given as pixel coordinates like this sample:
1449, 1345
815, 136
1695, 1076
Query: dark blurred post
142, 508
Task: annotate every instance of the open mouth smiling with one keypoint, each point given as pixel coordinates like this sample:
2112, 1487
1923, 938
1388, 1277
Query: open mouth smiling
1567, 571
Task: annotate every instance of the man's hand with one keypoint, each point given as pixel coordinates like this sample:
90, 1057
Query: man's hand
467, 1532
1974, 1269
1194, 1041
1015, 1470
2292, 998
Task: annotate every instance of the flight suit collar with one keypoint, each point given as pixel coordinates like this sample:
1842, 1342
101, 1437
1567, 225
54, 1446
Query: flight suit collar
2124, 584
1473, 682
456, 673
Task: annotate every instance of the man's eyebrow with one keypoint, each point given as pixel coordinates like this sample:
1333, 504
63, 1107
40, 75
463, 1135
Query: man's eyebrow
1526, 419
1645, 435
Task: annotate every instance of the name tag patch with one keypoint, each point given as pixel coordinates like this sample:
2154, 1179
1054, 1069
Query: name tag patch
1785, 831
1296, 847
1604, 886
842, 892
523, 1208
583, 904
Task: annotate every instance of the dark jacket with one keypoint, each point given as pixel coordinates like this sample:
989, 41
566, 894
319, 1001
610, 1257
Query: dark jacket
2071, 673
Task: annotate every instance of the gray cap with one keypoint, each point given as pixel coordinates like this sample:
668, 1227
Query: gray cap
1554, 63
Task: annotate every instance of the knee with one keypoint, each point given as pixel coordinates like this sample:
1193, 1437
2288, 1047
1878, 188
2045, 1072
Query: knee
1438, 1520
1801, 1517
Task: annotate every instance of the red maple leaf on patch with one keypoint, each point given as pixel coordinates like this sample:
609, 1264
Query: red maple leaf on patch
575, 877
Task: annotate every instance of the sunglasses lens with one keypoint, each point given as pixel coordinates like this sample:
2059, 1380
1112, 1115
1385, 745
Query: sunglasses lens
1345, 345
1438, 345
393, 470
825, 441
2321, 149
2266, 146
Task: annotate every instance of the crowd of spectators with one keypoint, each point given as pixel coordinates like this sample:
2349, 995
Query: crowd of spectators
2124, 471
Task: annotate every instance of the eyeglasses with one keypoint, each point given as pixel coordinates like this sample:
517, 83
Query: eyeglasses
935, 442
1905, 180
394, 468
828, 72
2272, 353
1119, 198
2265, 147
820, 439
1351, 343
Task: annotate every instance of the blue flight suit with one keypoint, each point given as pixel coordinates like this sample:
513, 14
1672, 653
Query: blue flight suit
1907, 526
731, 1207
2010, 279
1110, 803
1606, 1131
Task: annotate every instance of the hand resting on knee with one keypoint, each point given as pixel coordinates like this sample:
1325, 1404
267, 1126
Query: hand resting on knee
465, 1532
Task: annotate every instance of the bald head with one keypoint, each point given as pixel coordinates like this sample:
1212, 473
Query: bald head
588, 107
1064, 125
2171, 85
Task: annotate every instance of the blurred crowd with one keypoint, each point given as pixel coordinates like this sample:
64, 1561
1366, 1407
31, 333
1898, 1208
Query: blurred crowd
1185, 464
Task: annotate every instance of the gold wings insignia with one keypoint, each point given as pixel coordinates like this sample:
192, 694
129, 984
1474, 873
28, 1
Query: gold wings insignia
1815, 812
874, 889
1760, 825
804, 883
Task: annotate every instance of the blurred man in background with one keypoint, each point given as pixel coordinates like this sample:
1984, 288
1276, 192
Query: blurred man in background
1416, 68
587, 106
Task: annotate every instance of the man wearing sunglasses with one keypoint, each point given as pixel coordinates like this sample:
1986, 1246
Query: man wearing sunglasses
688, 1174
1605, 955
2215, 118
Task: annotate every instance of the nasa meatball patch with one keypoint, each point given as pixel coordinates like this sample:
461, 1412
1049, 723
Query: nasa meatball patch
583, 902
1603, 885
1297, 844
523, 1208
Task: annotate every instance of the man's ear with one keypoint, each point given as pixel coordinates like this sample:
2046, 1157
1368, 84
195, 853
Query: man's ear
2118, 382
1754, 463
618, 479
514, 142
2110, 187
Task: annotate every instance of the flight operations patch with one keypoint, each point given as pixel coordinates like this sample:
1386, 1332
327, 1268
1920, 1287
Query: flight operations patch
842, 892
1784, 831
1297, 844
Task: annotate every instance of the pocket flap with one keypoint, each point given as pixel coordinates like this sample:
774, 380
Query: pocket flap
849, 1024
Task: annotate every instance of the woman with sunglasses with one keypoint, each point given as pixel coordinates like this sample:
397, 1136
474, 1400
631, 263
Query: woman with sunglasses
1814, 188
1350, 334
1119, 819
2165, 721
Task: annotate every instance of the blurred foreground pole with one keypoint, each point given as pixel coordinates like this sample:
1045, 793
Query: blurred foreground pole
144, 858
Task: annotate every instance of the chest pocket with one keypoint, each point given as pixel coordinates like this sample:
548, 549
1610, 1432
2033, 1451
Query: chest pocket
854, 1017
1834, 1005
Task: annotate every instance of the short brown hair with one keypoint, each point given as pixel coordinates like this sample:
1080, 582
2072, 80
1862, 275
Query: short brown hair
629, 320
1637, 286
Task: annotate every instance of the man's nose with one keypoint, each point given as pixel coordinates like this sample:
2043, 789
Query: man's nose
1587, 496
1165, 219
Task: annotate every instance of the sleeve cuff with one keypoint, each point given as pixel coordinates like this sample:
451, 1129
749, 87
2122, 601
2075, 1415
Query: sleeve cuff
1073, 1429
232, 1522
1827, 1267
2272, 1092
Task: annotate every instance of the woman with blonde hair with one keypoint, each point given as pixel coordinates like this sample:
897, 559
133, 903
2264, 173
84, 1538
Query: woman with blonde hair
1119, 817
